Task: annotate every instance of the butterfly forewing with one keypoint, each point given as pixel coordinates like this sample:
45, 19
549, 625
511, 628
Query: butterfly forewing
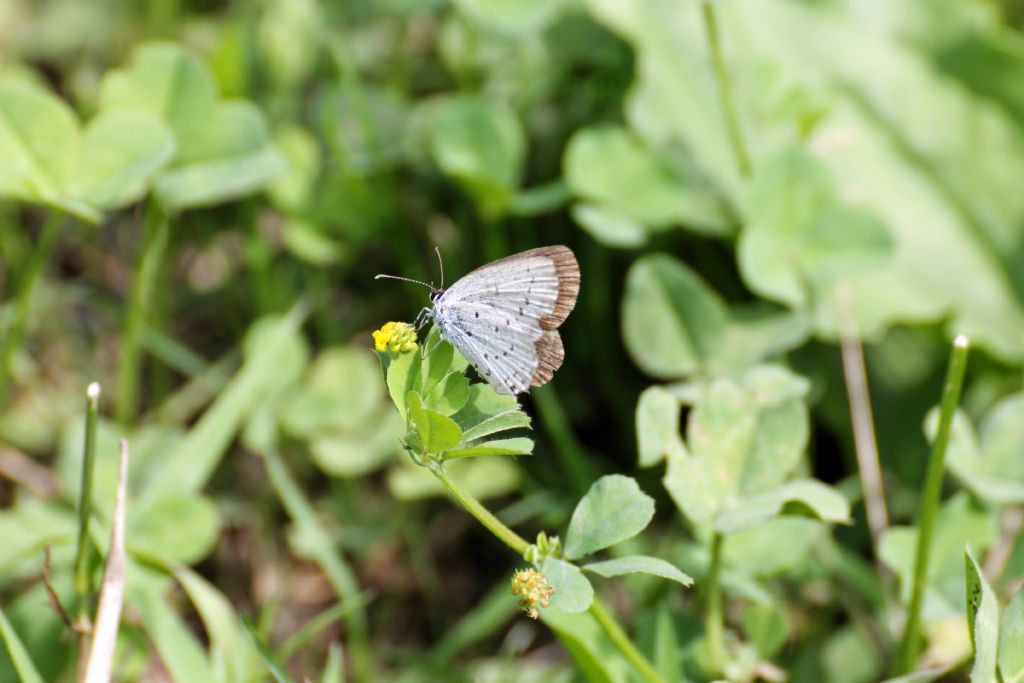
501, 316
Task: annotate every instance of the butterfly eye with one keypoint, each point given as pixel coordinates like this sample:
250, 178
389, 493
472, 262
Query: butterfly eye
435, 295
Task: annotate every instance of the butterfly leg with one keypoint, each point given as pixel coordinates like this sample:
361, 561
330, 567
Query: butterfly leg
421, 318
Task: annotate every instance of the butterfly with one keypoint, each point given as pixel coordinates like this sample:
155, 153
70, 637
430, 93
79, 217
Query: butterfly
504, 316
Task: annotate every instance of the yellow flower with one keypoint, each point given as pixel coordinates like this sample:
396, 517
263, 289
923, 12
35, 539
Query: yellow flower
533, 589
395, 338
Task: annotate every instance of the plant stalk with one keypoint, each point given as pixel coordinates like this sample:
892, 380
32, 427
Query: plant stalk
714, 628
83, 578
11, 340
154, 243
621, 641
732, 120
909, 646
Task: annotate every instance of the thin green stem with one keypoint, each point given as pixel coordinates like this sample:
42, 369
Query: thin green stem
714, 629
621, 641
732, 120
154, 243
517, 543
83, 577
909, 646
10, 341
475, 508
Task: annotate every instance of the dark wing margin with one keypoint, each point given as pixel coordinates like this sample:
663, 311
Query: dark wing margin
568, 273
549, 357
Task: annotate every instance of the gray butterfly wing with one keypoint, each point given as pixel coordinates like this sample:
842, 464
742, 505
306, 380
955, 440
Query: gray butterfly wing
502, 316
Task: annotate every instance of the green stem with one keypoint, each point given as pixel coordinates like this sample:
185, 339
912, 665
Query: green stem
153, 246
11, 341
517, 543
83, 582
909, 646
621, 641
714, 629
732, 120
567, 448
475, 508
318, 546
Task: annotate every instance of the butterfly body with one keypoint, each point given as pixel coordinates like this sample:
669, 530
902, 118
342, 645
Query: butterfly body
503, 316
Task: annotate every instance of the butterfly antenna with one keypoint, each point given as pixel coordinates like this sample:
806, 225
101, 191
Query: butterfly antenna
382, 276
440, 264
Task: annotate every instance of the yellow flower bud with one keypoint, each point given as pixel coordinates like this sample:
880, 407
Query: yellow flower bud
533, 590
395, 338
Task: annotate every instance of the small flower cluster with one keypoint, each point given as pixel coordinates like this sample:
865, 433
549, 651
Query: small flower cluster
395, 338
533, 591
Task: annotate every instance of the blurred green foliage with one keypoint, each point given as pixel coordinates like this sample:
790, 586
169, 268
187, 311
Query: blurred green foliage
236, 172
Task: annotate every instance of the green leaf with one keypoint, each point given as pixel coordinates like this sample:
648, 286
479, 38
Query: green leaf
982, 621
615, 171
403, 376
573, 593
176, 528
482, 145
613, 510
767, 626
1011, 641
798, 235
358, 452
334, 668
179, 650
122, 150
518, 18
439, 433
515, 446
39, 142
227, 643
340, 392
609, 227
19, 655
988, 464
657, 427
275, 668
499, 422
643, 564
483, 404
672, 322
804, 497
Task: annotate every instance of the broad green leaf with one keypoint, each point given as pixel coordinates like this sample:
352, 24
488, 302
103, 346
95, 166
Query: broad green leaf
27, 528
340, 392
169, 82
514, 446
179, 650
520, 18
758, 332
499, 422
657, 427
121, 152
19, 655
481, 145
439, 433
483, 404
989, 464
804, 497
360, 451
755, 550
230, 650
799, 235
633, 564
176, 528
450, 394
672, 322
609, 227
848, 656
983, 622
573, 592
39, 143
1011, 641
293, 191
744, 437
224, 178
611, 169
613, 510
403, 376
